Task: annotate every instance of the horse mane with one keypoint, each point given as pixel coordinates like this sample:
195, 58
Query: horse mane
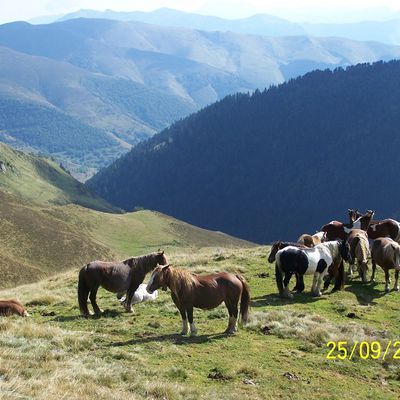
180, 281
144, 263
285, 244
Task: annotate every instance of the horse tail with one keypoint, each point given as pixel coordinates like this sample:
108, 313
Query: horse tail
83, 291
245, 299
279, 277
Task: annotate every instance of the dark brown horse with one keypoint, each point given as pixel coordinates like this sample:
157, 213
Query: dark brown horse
380, 228
203, 291
12, 307
339, 230
385, 252
117, 277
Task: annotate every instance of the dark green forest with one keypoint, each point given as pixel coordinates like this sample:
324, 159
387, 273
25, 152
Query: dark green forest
273, 164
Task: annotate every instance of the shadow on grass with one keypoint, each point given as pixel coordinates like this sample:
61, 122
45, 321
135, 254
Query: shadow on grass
274, 299
365, 293
173, 338
104, 314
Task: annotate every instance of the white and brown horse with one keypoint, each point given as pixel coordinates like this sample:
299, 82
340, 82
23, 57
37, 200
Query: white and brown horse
12, 307
385, 252
311, 240
338, 230
202, 291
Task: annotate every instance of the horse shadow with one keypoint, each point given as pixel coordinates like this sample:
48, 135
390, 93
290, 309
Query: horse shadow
275, 300
104, 314
173, 338
365, 293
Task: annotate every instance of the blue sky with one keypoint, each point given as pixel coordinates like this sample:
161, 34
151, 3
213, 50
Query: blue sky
296, 10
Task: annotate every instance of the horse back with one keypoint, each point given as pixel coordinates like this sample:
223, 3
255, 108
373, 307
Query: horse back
10, 307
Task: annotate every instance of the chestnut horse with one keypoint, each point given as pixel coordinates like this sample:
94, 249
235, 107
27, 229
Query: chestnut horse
202, 291
385, 252
114, 276
384, 228
339, 230
11, 307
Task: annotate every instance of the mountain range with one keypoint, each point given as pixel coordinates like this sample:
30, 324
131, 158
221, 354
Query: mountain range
274, 164
387, 30
86, 90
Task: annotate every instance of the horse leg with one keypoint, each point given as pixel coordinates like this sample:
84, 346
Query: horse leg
396, 283
373, 270
129, 296
286, 291
193, 330
315, 289
233, 313
299, 283
340, 277
92, 297
185, 326
387, 280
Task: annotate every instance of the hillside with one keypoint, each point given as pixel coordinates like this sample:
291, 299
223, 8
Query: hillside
86, 90
281, 354
274, 164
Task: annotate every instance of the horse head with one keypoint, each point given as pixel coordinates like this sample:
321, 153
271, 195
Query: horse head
158, 279
354, 215
276, 246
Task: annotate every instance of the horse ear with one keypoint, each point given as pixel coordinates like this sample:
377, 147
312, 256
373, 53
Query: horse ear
166, 267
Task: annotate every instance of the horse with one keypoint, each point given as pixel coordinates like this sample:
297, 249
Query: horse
359, 247
141, 295
203, 291
385, 252
338, 230
380, 228
307, 261
12, 307
116, 277
311, 240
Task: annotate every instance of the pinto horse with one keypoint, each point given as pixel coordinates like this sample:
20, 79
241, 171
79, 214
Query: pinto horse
307, 261
311, 240
384, 228
117, 277
385, 252
339, 230
202, 291
12, 307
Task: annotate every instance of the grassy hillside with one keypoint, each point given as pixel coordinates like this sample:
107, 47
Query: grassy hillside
281, 354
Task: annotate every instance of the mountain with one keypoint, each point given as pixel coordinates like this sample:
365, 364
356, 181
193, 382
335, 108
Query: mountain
86, 90
50, 222
386, 30
274, 164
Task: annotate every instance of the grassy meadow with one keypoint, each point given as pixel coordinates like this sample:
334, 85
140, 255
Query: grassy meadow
281, 353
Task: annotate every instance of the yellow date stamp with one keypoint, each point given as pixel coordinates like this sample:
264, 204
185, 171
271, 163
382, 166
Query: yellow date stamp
375, 350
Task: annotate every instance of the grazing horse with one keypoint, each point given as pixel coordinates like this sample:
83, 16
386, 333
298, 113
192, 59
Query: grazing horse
385, 252
307, 261
11, 307
114, 276
384, 228
338, 230
311, 240
203, 291
359, 247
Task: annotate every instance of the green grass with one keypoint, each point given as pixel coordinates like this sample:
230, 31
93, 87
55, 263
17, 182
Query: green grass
56, 353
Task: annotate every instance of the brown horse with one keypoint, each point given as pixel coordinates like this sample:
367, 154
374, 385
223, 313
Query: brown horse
380, 228
311, 240
117, 277
339, 230
359, 248
203, 291
385, 252
12, 307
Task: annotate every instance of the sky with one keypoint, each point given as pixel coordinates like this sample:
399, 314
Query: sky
294, 10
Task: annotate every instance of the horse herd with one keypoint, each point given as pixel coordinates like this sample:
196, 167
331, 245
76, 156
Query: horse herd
321, 255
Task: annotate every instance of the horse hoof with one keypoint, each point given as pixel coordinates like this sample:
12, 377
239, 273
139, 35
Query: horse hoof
230, 331
387, 290
193, 334
183, 333
316, 294
396, 289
